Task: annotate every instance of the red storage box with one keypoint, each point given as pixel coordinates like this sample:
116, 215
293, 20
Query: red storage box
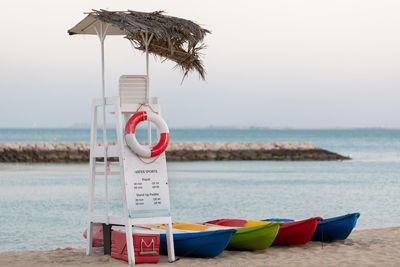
146, 247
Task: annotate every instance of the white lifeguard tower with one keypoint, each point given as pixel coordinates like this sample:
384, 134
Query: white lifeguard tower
143, 182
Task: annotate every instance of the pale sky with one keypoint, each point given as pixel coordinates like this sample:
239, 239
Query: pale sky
300, 64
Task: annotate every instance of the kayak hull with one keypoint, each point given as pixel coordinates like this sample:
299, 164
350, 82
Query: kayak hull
206, 244
254, 238
257, 237
336, 228
296, 232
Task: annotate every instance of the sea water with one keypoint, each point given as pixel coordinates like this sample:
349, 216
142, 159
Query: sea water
44, 206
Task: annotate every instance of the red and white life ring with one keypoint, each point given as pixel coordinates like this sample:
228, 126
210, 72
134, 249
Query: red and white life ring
132, 142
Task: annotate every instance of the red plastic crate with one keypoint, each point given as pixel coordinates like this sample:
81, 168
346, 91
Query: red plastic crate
146, 247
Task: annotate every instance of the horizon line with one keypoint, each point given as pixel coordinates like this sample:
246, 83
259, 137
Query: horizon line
223, 128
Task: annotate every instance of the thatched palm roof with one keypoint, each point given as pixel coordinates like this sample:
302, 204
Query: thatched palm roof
173, 38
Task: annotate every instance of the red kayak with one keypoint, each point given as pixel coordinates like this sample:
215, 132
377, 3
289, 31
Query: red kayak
296, 233
290, 233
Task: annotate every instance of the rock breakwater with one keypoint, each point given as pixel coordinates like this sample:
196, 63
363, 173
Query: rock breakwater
180, 151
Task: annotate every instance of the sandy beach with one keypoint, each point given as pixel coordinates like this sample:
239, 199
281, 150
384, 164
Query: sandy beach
373, 247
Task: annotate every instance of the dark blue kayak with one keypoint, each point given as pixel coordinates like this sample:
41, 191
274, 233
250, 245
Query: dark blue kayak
203, 244
336, 228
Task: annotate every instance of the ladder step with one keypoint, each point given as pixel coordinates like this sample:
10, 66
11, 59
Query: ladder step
98, 151
103, 199
109, 173
108, 162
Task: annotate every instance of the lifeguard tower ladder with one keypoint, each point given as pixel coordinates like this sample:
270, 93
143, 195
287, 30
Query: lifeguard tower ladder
145, 209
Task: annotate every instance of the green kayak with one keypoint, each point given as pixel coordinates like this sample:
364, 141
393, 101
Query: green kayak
250, 234
254, 237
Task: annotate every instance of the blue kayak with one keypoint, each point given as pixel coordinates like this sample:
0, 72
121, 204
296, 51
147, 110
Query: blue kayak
203, 244
335, 228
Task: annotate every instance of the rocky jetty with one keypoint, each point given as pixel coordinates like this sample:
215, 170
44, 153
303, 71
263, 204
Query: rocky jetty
249, 151
180, 151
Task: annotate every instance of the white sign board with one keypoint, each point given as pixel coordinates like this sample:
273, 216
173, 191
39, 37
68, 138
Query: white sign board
146, 184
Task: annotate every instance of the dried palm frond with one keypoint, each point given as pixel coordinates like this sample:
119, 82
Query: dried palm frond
173, 38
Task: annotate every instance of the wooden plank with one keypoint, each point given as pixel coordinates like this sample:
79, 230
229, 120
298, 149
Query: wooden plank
119, 220
129, 82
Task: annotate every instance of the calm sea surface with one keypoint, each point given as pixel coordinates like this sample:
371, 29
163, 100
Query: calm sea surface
44, 206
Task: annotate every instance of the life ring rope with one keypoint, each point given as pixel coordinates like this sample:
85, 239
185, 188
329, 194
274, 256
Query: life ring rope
147, 105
